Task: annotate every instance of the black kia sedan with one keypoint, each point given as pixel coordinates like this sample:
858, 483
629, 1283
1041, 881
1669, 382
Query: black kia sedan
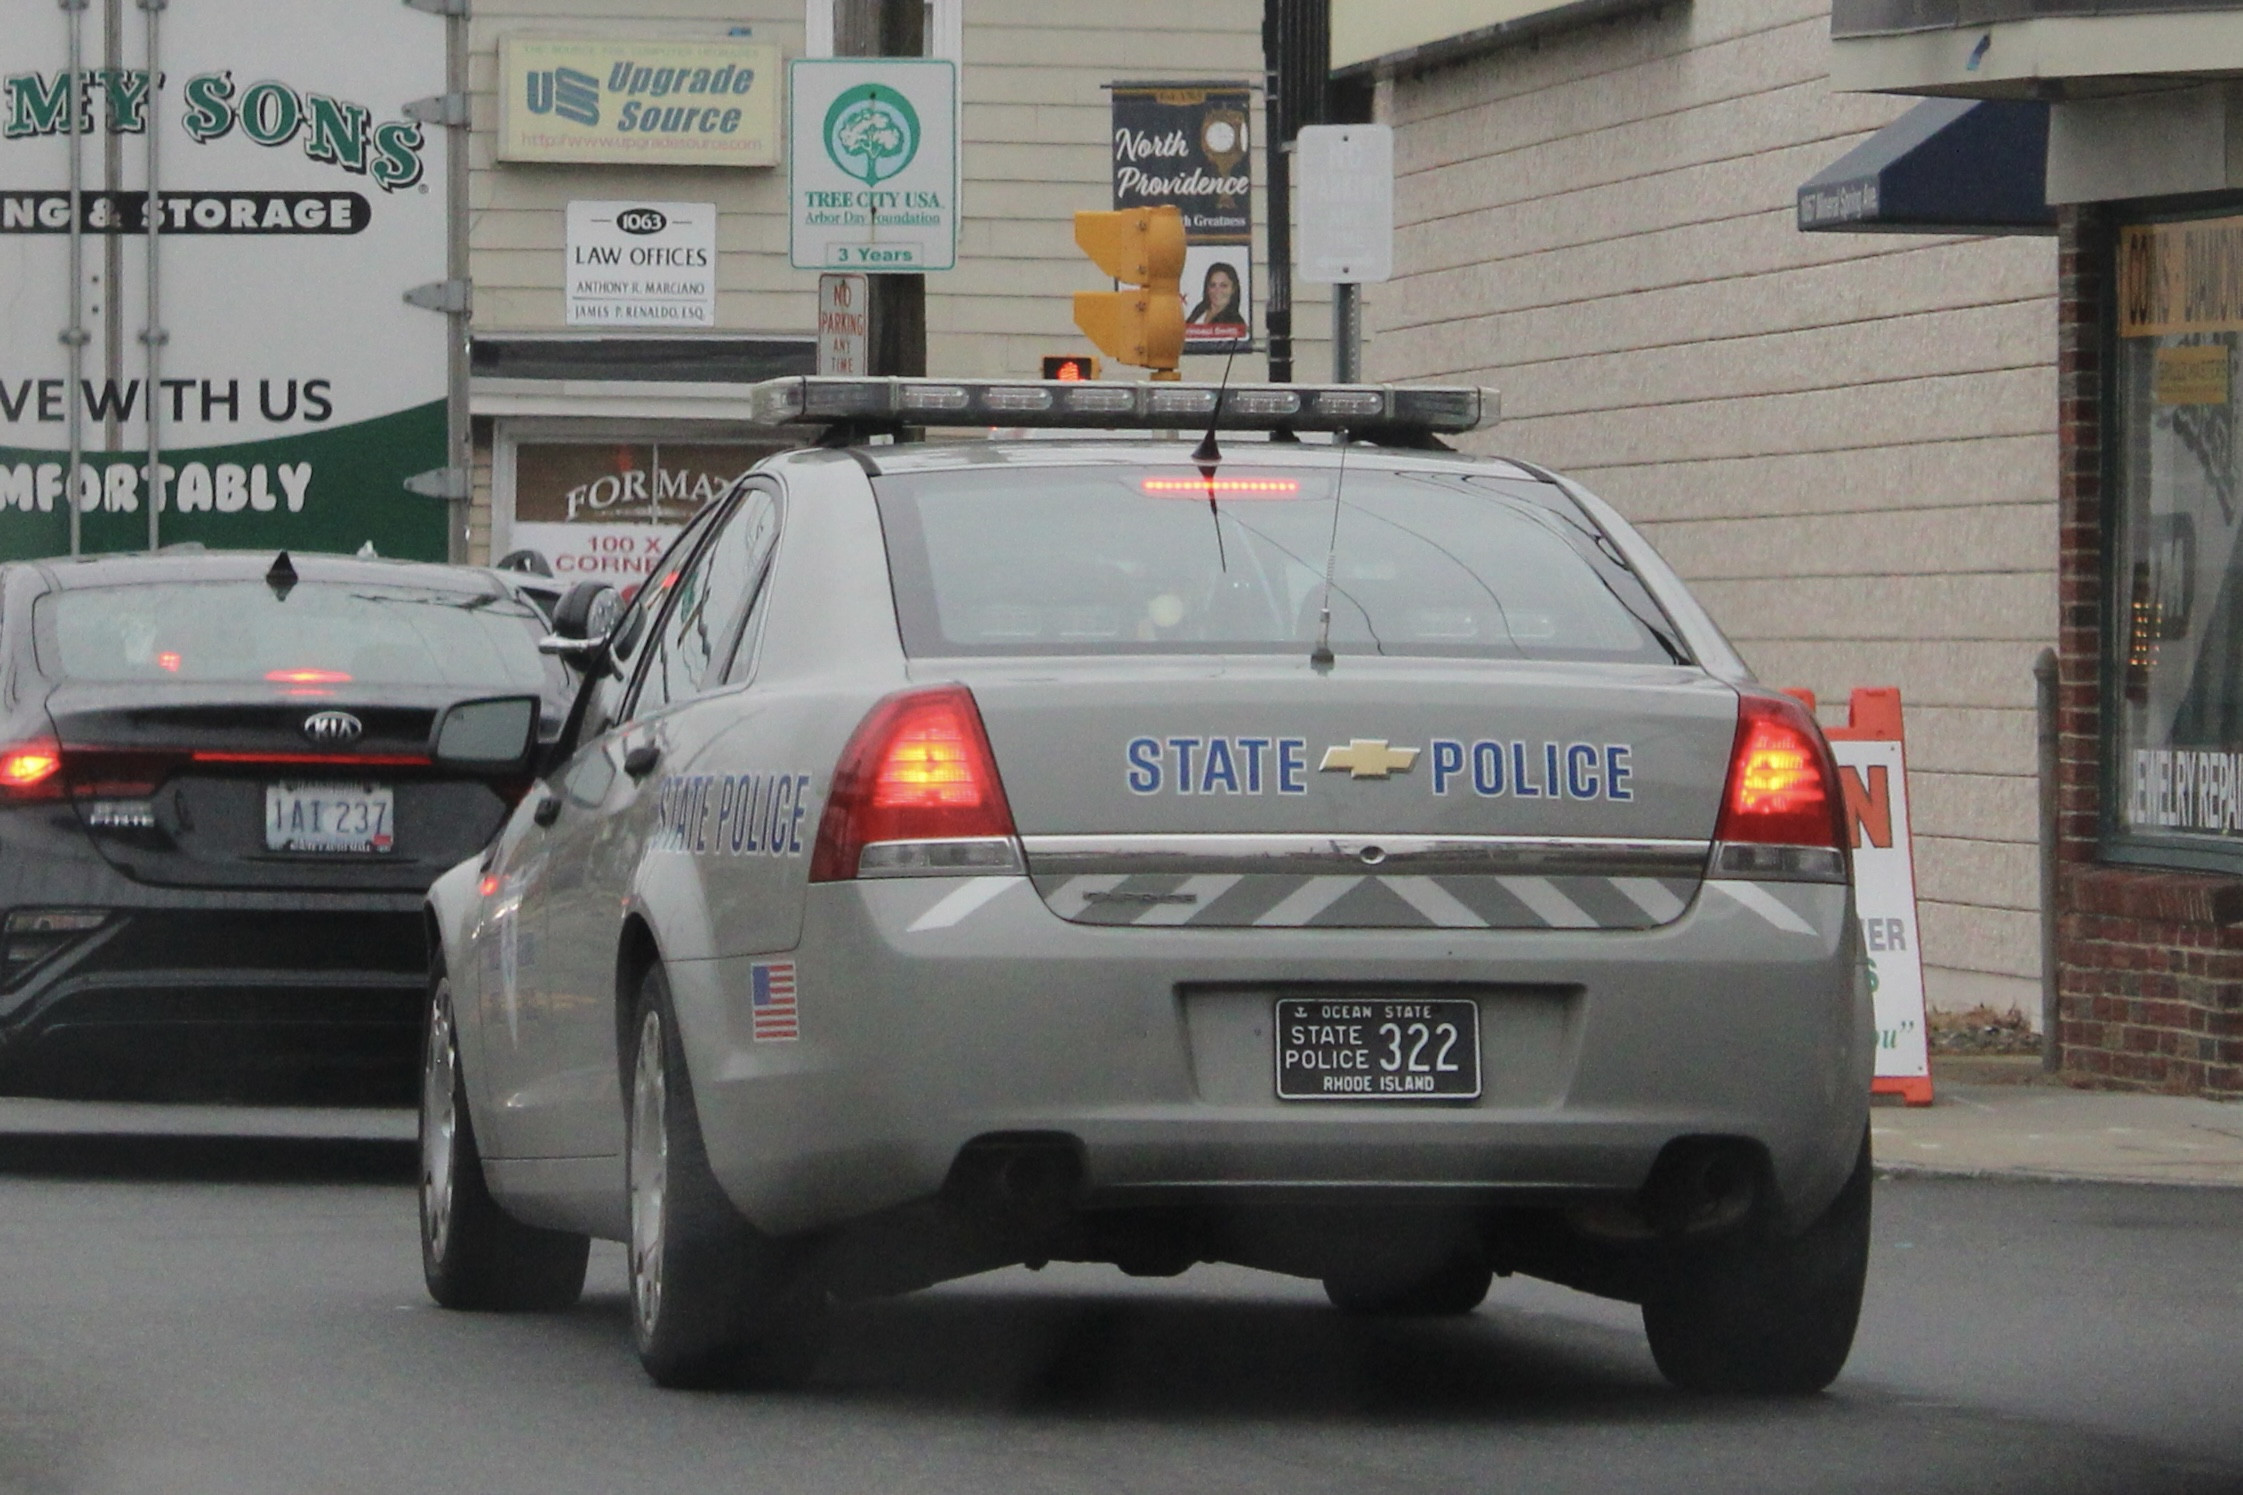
226, 782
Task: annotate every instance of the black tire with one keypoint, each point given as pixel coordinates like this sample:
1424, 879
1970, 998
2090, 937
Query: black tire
473, 1254
1763, 1314
709, 1304
1454, 1289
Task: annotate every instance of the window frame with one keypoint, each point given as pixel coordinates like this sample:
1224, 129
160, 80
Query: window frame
723, 655
2178, 850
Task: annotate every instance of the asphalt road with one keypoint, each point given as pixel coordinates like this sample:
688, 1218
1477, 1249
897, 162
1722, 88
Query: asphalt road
186, 1315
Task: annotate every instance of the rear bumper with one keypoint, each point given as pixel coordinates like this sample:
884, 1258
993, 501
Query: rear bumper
304, 1001
1746, 1018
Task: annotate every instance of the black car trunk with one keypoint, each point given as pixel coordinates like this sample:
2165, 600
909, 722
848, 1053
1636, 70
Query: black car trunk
237, 786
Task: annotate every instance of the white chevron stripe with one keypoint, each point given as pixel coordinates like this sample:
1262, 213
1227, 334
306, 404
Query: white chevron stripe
1764, 903
1435, 902
1552, 906
1306, 902
1652, 896
1206, 889
962, 903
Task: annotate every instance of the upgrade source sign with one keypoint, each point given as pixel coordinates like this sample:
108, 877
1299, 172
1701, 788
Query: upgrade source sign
295, 389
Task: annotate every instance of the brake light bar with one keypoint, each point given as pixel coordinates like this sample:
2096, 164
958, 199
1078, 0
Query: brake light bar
1211, 487
1114, 406
324, 760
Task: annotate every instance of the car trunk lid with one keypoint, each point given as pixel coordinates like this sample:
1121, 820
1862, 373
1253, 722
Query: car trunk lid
1262, 792
178, 785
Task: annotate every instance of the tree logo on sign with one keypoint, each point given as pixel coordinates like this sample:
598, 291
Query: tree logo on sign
872, 132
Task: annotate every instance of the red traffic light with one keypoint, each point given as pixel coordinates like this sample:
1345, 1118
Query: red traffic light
1071, 369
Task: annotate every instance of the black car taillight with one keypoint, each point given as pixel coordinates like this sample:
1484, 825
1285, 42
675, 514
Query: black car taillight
31, 771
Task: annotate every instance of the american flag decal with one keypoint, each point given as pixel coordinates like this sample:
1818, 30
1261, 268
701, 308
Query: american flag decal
773, 983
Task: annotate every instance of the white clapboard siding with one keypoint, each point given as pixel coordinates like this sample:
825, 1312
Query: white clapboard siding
1034, 135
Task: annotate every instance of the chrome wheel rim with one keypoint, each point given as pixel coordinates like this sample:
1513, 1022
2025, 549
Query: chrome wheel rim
439, 1122
650, 1173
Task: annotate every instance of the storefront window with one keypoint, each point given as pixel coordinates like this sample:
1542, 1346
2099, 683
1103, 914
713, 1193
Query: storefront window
608, 510
2177, 693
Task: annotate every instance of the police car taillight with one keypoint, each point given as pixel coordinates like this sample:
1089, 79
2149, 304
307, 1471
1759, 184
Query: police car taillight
1783, 788
916, 793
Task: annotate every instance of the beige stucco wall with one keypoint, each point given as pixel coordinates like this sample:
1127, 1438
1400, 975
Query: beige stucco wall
1845, 441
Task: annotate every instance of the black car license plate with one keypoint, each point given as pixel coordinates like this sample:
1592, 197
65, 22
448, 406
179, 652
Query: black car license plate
1341, 1048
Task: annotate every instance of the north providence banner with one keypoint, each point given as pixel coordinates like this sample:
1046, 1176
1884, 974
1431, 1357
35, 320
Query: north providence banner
297, 204
1186, 145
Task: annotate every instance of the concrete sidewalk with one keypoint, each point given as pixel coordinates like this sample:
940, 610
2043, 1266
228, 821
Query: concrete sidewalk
2028, 1128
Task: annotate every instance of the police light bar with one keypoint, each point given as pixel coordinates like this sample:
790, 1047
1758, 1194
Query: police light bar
1362, 408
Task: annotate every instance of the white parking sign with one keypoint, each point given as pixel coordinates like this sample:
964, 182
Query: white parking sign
872, 164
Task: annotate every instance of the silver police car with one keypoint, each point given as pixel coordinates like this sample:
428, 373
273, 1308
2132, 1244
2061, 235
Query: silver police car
1337, 856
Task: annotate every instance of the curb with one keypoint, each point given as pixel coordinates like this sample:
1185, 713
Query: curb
1901, 1169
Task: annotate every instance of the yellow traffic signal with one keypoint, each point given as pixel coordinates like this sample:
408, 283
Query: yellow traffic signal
1144, 249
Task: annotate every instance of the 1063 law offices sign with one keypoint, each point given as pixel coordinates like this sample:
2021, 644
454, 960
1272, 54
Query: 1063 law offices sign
296, 204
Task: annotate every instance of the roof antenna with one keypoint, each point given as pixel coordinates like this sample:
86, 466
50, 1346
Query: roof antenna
1321, 658
282, 577
1208, 453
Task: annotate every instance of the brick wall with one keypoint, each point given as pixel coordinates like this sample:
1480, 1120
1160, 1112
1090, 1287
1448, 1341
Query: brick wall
2150, 962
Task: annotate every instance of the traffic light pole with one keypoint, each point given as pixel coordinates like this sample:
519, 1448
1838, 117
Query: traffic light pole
1347, 333
1297, 57
896, 309
1277, 314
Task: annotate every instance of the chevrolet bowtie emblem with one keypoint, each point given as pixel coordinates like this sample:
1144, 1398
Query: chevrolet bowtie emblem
1368, 758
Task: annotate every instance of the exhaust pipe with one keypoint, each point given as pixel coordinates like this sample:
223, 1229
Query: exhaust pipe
1699, 1186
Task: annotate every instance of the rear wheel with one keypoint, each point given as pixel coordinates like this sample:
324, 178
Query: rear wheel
706, 1299
1455, 1288
473, 1254
1764, 1314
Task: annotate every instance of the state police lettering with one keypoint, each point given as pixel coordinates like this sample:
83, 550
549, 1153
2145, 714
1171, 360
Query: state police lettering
1218, 765
1489, 768
1493, 769
739, 814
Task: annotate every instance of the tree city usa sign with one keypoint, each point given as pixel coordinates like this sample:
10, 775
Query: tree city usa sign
873, 164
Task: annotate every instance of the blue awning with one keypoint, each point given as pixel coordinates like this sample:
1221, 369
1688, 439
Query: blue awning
1947, 165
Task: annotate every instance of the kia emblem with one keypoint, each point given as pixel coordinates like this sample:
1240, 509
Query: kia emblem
333, 728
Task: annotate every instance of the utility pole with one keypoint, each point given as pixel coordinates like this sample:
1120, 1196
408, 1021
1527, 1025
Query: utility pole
896, 331
1297, 57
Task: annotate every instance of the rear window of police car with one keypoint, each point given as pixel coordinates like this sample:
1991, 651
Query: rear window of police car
1150, 560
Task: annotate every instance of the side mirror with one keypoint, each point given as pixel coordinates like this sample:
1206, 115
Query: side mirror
498, 733
582, 620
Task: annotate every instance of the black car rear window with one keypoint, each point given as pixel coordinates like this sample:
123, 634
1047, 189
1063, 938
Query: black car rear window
1153, 560
319, 633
